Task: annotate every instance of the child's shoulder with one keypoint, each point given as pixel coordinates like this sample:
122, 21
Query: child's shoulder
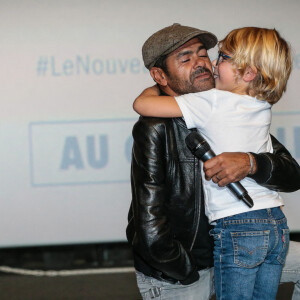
205, 94
216, 92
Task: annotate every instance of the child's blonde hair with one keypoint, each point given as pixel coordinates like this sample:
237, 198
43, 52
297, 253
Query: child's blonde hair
265, 50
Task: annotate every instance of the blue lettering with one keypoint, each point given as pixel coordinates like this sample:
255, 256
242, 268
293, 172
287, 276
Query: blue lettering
88, 65
297, 141
281, 135
123, 65
91, 152
97, 66
83, 65
71, 154
297, 61
128, 148
145, 70
109, 71
68, 67
54, 73
135, 66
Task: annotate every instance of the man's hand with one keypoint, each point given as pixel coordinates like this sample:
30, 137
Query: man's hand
228, 167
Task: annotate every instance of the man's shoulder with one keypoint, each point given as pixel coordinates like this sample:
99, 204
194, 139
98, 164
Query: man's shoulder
153, 122
146, 125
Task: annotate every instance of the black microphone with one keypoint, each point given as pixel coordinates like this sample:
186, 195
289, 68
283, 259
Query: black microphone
201, 149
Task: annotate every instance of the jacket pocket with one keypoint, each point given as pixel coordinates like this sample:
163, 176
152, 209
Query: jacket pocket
250, 247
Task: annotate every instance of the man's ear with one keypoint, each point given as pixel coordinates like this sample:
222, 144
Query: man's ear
158, 76
250, 74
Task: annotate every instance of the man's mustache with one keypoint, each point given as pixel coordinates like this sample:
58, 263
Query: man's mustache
199, 71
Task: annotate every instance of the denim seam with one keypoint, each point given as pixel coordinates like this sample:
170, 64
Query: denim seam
252, 221
290, 271
154, 292
222, 269
285, 234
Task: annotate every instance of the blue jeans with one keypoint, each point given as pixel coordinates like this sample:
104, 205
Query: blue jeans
249, 253
291, 269
151, 288
290, 273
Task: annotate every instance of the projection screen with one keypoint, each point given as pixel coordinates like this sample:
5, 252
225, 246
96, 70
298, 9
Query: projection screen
70, 71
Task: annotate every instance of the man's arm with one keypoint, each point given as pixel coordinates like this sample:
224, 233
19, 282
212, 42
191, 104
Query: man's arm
154, 240
277, 171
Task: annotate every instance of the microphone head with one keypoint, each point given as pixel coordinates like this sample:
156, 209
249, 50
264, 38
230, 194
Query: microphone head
196, 142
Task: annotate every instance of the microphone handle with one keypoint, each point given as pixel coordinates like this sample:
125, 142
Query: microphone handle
235, 187
206, 156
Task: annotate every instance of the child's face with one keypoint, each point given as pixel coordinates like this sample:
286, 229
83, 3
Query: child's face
226, 76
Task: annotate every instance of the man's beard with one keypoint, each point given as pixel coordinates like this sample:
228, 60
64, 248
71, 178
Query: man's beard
181, 87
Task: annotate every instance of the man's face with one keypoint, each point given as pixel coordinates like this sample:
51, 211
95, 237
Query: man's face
190, 69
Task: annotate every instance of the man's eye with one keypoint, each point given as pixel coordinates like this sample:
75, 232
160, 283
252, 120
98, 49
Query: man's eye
185, 60
203, 55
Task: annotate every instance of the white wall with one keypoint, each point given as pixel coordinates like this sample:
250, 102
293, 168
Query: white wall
69, 73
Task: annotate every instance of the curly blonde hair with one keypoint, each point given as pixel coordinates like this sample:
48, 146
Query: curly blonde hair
264, 50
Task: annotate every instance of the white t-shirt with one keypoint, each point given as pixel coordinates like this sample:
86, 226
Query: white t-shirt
231, 123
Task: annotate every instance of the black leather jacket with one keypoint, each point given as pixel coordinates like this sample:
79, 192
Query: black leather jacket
167, 227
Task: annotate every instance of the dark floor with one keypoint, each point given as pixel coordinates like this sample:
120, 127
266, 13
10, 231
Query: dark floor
119, 286
86, 287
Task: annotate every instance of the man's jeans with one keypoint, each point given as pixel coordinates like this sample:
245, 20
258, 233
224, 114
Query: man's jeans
151, 288
249, 253
201, 290
291, 269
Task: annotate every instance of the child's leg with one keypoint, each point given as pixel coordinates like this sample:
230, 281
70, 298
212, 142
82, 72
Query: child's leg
267, 281
291, 269
243, 243
268, 276
232, 282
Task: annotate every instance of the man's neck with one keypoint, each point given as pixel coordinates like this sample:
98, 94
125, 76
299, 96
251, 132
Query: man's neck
166, 91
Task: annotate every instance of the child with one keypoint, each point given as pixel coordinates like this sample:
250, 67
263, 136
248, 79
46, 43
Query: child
251, 73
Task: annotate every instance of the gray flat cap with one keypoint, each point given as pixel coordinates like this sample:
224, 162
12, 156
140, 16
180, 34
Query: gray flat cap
170, 38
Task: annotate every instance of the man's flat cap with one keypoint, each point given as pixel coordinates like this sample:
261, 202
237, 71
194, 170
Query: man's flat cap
170, 38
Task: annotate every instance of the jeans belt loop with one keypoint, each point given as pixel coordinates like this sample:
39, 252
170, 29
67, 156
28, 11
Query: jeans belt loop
154, 292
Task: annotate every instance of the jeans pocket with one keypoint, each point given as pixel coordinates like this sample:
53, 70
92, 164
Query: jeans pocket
250, 247
285, 245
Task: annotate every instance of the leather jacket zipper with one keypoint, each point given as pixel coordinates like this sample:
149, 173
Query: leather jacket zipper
199, 204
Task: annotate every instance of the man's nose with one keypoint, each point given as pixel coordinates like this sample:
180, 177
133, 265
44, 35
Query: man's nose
200, 62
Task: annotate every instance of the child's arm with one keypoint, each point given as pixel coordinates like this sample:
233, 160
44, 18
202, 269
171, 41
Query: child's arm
150, 104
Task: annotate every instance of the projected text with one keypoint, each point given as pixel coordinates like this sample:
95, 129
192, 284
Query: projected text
87, 65
80, 152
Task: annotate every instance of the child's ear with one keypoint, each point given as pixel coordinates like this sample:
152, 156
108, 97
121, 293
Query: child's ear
250, 74
159, 76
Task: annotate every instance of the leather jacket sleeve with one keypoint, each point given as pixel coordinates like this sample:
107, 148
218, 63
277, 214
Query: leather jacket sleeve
153, 240
278, 170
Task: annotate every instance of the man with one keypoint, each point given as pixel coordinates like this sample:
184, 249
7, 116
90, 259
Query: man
167, 228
